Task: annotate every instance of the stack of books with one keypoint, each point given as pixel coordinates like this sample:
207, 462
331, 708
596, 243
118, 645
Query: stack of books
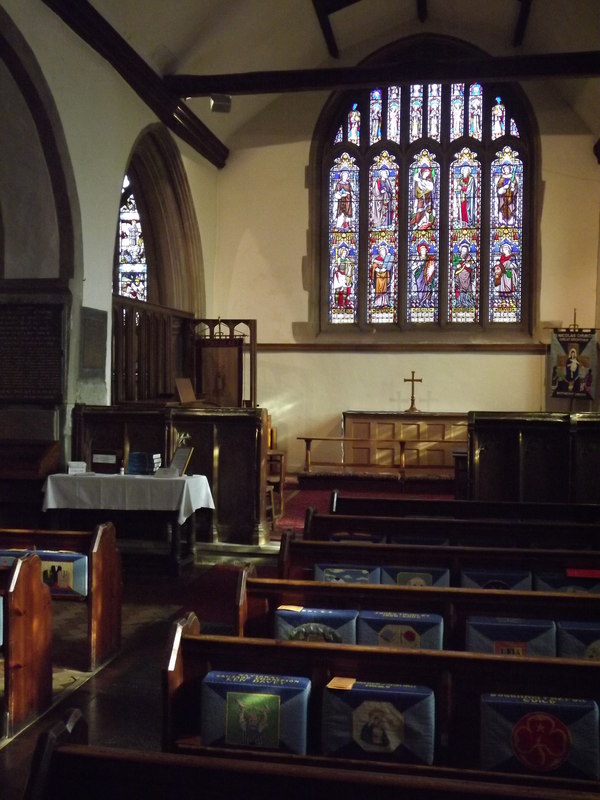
143, 463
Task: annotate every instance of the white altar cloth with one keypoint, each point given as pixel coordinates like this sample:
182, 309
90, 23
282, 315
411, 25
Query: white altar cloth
183, 495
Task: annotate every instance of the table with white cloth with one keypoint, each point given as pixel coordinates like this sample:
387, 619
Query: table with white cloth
173, 501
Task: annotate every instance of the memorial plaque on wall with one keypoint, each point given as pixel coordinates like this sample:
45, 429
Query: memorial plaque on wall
31, 353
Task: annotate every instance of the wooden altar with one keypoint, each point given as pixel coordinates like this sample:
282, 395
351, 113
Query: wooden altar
429, 441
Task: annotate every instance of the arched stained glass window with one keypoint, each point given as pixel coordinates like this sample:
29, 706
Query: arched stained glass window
132, 269
427, 208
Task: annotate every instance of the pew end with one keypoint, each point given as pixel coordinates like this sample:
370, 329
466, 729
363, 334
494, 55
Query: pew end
27, 643
73, 730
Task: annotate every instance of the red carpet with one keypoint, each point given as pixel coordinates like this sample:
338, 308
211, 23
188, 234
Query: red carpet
295, 508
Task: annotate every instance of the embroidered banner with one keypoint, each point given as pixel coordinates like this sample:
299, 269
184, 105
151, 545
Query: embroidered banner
574, 357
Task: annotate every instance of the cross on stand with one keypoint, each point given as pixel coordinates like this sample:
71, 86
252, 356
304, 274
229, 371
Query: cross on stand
412, 380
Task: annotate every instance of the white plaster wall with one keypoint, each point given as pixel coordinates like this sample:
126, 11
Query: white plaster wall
203, 179
307, 393
570, 230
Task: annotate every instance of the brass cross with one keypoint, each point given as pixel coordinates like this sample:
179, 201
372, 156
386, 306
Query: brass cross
412, 380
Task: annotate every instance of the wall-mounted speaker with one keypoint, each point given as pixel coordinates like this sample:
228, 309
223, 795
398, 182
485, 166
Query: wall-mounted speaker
220, 103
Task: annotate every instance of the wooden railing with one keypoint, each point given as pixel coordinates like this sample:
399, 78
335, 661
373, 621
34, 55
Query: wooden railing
342, 464
150, 347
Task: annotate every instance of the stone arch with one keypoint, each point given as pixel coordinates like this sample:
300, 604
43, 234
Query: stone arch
170, 226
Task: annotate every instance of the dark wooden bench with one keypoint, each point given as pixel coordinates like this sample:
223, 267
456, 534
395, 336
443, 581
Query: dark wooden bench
453, 531
297, 557
64, 768
27, 643
265, 595
399, 506
104, 597
458, 680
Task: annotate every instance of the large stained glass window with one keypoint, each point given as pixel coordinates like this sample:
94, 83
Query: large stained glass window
132, 269
426, 208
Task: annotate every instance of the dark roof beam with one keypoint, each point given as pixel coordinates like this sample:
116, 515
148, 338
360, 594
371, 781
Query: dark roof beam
323, 17
585, 64
521, 25
91, 26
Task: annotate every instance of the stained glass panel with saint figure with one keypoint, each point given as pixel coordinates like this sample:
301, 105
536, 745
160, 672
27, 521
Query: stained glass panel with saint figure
375, 120
393, 114
382, 292
423, 239
464, 277
343, 239
506, 237
132, 270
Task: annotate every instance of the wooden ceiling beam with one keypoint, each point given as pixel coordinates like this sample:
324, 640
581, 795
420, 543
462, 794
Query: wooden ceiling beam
323, 17
91, 26
521, 25
585, 64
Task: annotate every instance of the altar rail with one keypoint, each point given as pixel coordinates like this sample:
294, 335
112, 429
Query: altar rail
397, 468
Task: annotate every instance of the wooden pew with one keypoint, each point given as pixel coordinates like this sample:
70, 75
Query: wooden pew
454, 531
455, 605
27, 643
297, 557
458, 680
399, 506
65, 765
104, 598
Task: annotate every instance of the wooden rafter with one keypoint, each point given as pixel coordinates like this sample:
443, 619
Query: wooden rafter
401, 72
521, 25
325, 8
91, 26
